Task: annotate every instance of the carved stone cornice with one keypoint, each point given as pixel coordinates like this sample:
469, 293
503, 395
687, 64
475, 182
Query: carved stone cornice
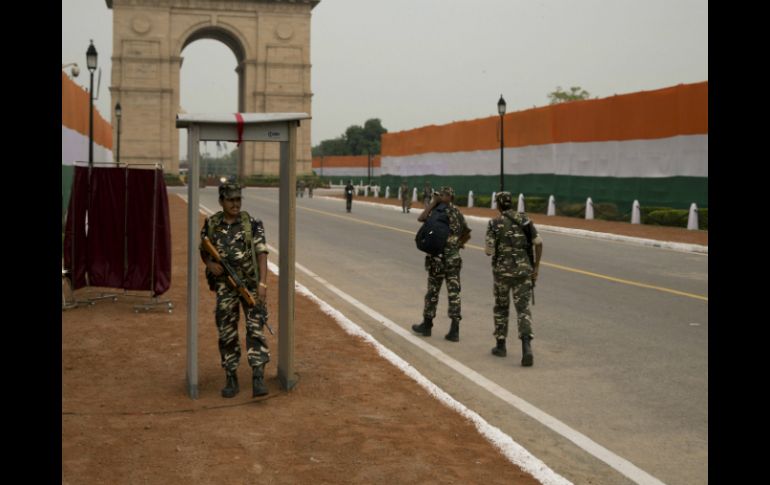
208, 4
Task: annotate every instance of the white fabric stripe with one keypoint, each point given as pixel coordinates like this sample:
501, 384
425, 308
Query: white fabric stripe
344, 171
74, 148
685, 155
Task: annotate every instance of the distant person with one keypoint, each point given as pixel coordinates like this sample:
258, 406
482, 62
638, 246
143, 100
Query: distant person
310, 185
516, 248
349, 189
405, 199
445, 266
427, 194
300, 188
240, 241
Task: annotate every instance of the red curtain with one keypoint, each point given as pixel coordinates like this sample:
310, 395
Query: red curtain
119, 224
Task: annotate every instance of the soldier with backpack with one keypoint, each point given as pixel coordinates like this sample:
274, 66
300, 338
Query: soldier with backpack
240, 241
516, 249
443, 263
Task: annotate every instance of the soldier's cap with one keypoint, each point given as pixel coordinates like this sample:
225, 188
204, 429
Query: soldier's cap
229, 191
447, 190
504, 199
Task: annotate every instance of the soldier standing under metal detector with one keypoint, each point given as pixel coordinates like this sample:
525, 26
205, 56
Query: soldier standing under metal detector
240, 241
510, 240
405, 199
446, 265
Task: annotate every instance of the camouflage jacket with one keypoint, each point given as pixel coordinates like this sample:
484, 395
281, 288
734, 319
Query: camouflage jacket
404, 192
456, 226
232, 243
506, 242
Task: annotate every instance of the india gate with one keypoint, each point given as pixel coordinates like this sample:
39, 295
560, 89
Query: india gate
271, 43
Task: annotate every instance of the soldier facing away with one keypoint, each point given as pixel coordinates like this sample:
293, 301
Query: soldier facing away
405, 199
240, 241
510, 240
445, 266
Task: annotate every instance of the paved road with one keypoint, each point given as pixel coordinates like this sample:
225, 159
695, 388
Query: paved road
621, 337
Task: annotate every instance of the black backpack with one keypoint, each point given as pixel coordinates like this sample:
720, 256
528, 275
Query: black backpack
432, 236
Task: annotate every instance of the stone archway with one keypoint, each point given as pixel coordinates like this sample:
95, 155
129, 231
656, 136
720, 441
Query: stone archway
271, 43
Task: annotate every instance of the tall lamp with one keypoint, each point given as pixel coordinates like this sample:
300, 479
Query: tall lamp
501, 111
91, 56
118, 114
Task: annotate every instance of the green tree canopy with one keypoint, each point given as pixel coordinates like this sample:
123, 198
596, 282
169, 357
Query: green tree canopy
576, 93
357, 140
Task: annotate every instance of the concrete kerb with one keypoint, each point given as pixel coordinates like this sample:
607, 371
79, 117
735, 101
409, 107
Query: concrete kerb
689, 248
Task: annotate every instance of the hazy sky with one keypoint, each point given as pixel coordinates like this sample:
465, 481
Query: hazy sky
418, 62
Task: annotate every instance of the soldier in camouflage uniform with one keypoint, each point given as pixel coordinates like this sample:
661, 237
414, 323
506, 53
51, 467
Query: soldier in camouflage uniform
227, 231
507, 243
405, 199
446, 265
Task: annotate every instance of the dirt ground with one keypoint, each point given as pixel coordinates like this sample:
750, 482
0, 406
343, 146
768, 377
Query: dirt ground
126, 417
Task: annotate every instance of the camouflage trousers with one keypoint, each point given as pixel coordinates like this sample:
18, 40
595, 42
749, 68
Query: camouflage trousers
521, 287
406, 204
439, 269
226, 316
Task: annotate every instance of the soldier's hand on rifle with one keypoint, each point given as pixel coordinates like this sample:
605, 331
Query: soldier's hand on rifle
262, 291
215, 268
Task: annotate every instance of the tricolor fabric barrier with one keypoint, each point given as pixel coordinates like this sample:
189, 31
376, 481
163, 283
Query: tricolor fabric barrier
74, 134
356, 167
650, 146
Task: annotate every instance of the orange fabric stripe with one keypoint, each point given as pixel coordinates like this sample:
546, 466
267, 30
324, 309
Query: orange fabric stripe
74, 113
663, 113
346, 161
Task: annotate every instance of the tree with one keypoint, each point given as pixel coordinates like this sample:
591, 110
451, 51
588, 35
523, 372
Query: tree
576, 93
357, 140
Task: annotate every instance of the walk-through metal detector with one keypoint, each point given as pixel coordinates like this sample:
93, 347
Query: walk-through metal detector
278, 127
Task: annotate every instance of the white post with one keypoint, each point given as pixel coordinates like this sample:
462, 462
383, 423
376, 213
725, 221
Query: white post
636, 214
692, 220
589, 209
366, 191
494, 202
387, 192
377, 191
470, 198
551, 206
521, 207
414, 195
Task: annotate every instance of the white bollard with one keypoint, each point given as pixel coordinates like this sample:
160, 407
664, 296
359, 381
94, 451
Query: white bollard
470, 198
551, 206
521, 207
377, 191
636, 213
589, 209
692, 219
414, 195
494, 202
399, 193
387, 192
366, 191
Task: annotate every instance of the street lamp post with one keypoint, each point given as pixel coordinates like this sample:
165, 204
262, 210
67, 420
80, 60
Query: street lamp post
118, 114
91, 56
501, 111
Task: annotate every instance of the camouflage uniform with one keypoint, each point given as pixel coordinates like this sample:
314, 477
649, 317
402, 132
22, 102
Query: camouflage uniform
229, 239
446, 266
512, 270
405, 199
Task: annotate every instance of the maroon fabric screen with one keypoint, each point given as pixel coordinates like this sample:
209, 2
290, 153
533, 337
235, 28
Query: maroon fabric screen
121, 233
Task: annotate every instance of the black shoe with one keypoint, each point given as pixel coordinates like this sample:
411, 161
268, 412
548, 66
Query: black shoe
424, 327
258, 382
527, 358
500, 350
454, 332
231, 384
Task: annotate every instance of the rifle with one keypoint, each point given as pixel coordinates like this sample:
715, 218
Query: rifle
530, 254
232, 276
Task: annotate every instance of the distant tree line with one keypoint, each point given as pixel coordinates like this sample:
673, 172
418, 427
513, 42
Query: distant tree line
357, 140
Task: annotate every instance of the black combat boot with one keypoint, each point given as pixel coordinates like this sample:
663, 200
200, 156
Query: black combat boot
454, 331
526, 351
231, 384
500, 350
258, 382
424, 327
